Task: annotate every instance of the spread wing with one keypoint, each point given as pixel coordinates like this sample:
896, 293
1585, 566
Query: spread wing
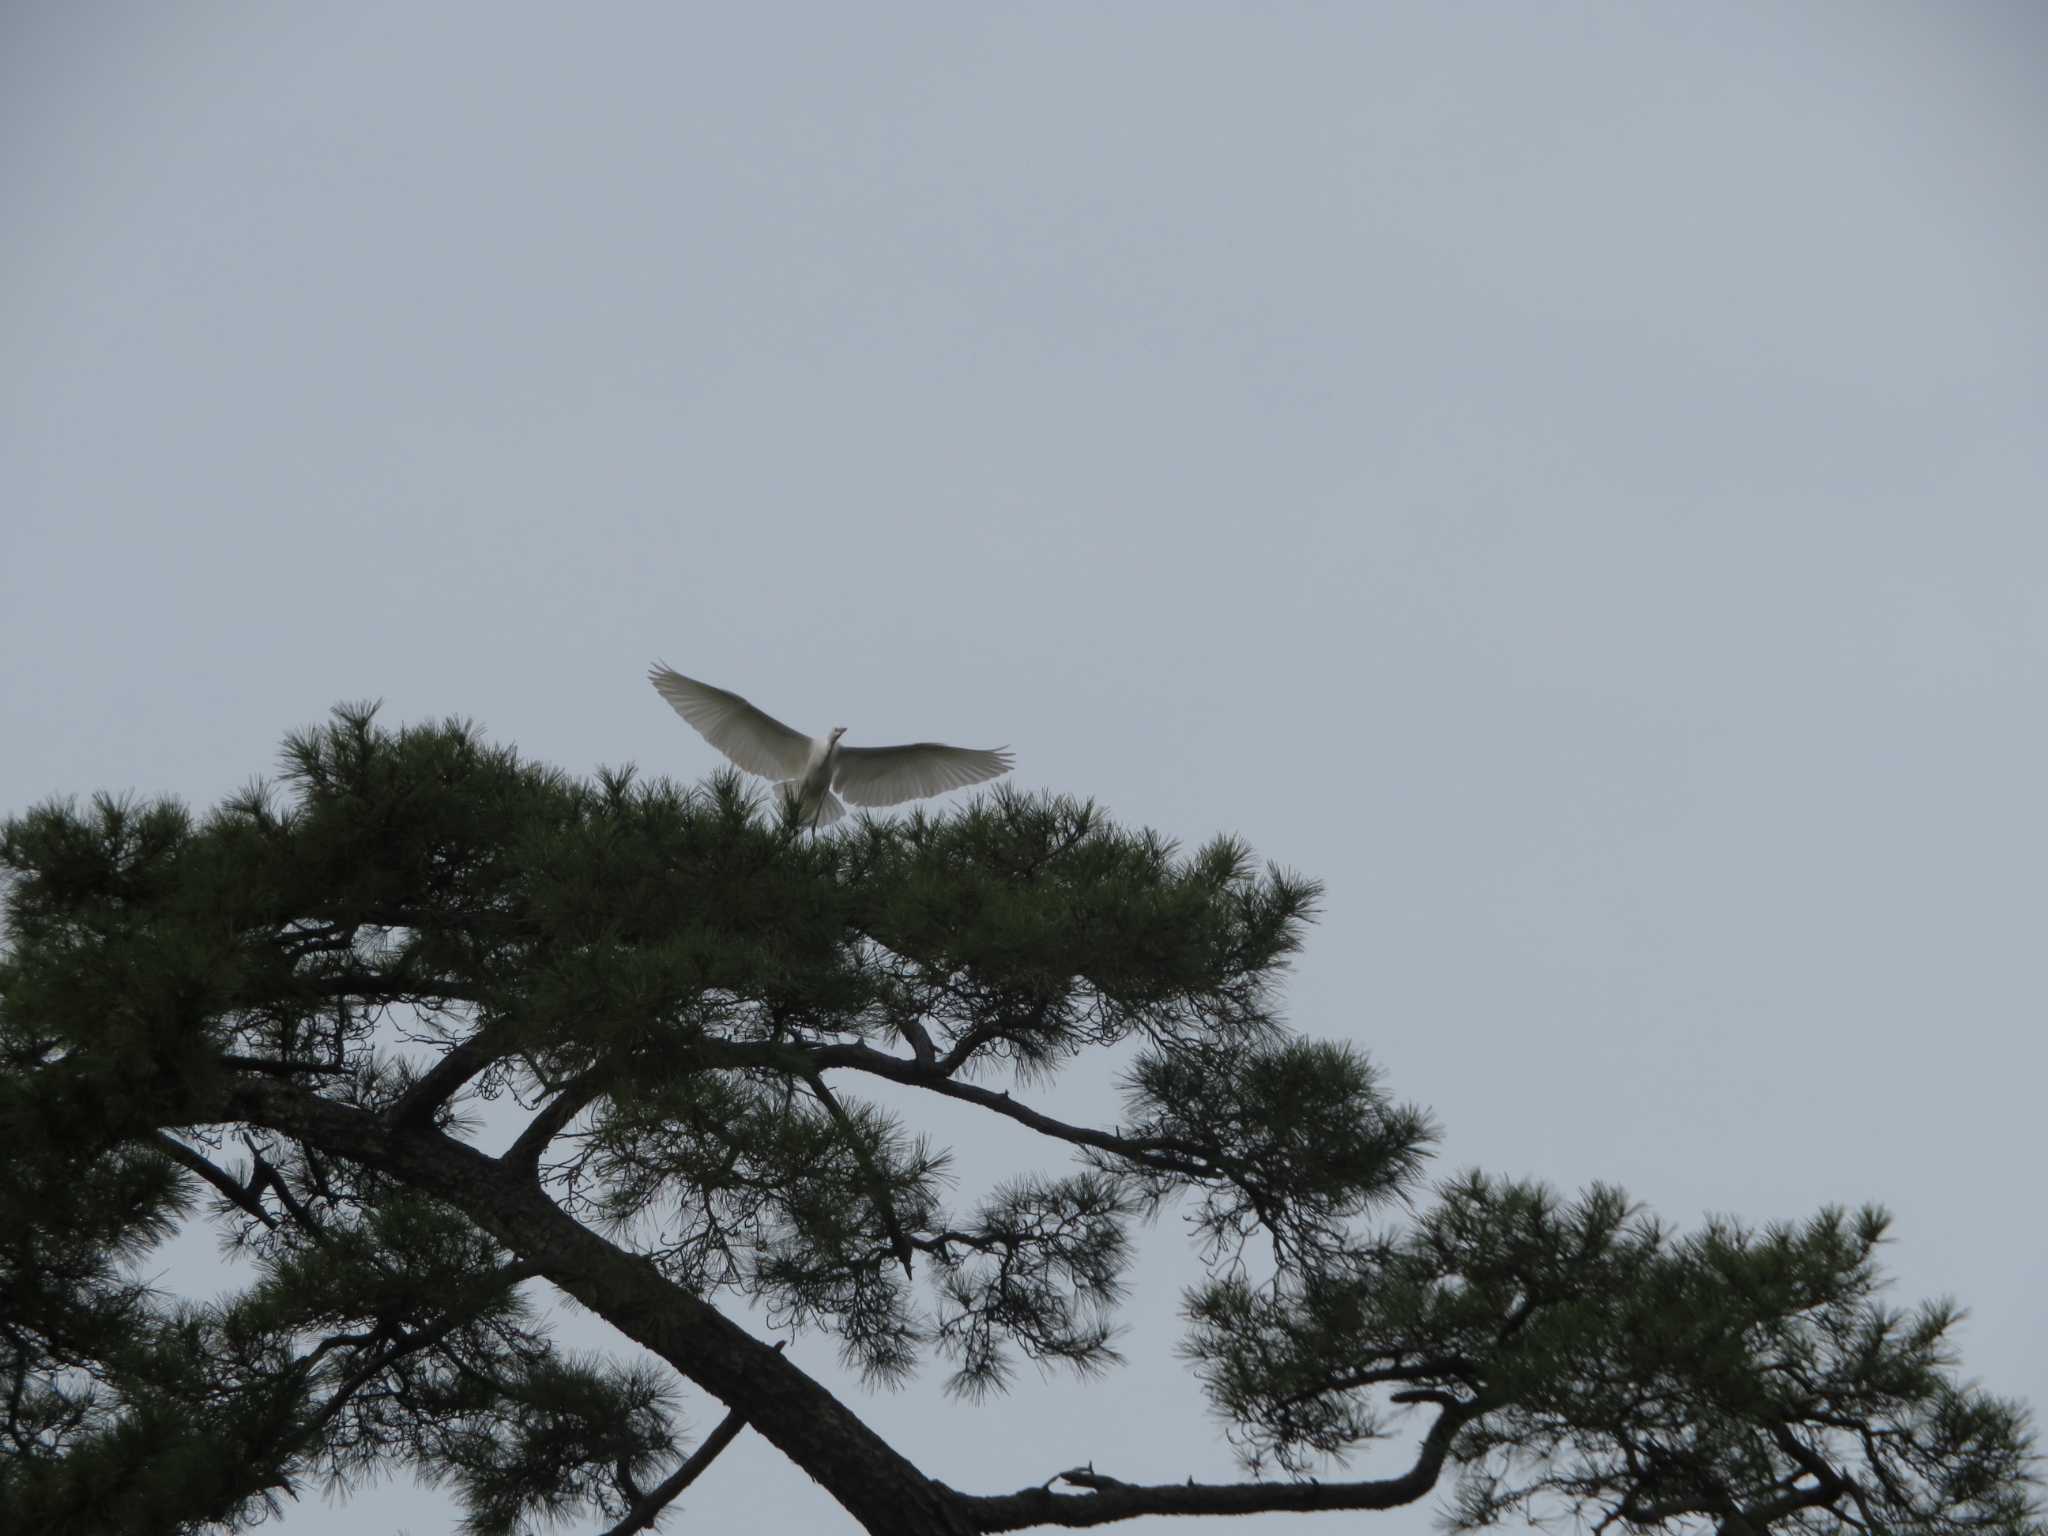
757, 742
891, 775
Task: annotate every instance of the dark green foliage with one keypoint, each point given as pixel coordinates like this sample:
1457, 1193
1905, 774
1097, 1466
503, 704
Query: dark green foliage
1301, 1131
289, 1012
1039, 1266
543, 1440
1632, 1376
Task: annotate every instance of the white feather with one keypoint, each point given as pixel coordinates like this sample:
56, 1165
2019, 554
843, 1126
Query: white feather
891, 775
757, 742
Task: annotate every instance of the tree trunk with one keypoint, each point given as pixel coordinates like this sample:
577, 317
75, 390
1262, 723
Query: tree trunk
881, 1489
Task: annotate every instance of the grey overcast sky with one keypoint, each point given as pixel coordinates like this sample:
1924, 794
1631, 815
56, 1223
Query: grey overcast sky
1573, 478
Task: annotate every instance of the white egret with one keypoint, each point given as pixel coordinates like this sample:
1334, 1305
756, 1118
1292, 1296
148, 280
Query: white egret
811, 768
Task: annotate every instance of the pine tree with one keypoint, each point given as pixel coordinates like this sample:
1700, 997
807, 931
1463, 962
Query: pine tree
276, 1016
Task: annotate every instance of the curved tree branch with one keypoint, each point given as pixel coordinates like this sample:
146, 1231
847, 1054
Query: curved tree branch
439, 1083
575, 1096
1148, 1152
1109, 1500
244, 1196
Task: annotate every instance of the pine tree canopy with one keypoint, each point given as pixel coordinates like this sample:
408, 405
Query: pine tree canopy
282, 1018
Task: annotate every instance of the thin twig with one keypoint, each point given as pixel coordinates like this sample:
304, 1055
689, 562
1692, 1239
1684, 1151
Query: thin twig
878, 1191
244, 1196
651, 1503
282, 1068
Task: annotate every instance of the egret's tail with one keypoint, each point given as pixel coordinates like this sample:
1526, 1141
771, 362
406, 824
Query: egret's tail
821, 812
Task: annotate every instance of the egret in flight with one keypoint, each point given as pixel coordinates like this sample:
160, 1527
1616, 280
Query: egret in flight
810, 768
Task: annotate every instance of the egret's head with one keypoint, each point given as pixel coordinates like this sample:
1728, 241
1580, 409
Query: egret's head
838, 731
